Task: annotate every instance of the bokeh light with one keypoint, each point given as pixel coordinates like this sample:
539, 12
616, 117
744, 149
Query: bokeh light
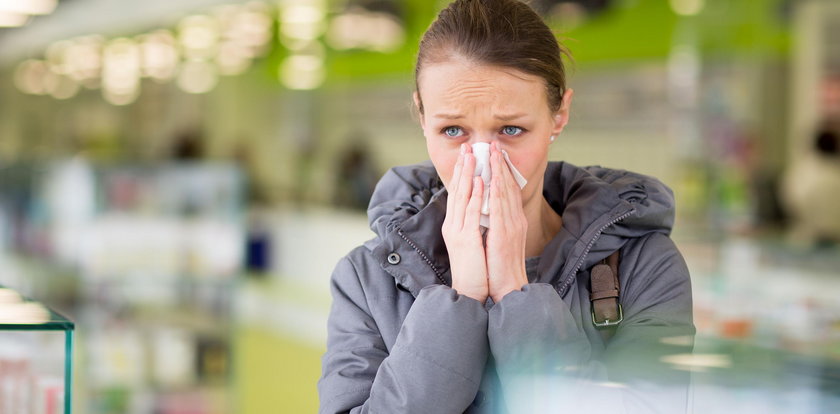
159, 55
121, 71
358, 28
197, 76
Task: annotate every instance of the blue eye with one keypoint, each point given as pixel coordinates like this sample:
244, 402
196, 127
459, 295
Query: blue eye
453, 131
512, 130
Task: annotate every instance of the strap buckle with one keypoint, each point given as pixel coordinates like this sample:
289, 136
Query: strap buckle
607, 322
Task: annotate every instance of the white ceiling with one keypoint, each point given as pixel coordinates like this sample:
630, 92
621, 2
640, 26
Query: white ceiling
82, 17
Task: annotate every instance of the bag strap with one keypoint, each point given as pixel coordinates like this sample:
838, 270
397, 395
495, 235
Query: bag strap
604, 293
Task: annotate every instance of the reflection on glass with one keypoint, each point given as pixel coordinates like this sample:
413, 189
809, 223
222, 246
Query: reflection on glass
8, 297
28, 6
23, 313
697, 362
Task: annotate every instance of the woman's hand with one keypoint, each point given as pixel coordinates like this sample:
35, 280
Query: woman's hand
461, 231
505, 250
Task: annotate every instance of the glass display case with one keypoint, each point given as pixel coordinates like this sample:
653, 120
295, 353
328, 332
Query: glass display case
36, 357
145, 258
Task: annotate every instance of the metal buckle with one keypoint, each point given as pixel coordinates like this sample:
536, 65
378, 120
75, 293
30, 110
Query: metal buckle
607, 322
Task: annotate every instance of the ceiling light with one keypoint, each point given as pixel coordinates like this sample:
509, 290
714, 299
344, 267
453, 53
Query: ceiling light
197, 77
28, 6
302, 72
29, 76
11, 19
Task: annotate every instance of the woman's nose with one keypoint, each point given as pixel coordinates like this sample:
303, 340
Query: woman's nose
486, 138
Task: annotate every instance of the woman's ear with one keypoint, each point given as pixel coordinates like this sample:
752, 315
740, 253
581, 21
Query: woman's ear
561, 118
417, 108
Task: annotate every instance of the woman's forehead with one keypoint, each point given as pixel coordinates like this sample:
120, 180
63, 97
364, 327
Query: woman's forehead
464, 70
456, 84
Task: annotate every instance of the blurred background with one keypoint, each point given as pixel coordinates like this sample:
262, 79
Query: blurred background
179, 178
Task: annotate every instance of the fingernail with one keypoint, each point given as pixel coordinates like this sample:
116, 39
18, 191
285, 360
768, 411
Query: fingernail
463, 148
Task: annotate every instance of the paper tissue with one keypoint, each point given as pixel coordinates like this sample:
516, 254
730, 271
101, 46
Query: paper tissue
481, 151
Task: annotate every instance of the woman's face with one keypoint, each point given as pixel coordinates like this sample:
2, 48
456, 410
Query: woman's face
465, 102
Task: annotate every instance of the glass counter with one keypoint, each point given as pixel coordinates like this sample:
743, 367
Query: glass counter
36, 357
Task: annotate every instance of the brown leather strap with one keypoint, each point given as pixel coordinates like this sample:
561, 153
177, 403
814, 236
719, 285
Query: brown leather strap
604, 294
605, 290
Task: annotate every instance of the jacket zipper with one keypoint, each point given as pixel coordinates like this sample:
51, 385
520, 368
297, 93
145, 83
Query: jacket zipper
591, 243
423, 255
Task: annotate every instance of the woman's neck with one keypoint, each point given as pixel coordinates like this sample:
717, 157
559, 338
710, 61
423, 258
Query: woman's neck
543, 224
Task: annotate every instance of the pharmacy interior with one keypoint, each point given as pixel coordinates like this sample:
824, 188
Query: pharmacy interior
178, 179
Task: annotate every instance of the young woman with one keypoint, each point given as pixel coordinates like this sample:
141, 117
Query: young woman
446, 312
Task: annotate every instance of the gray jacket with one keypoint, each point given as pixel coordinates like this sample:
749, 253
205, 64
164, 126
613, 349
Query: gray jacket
401, 340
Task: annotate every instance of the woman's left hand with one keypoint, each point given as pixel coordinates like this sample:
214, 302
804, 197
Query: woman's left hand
505, 243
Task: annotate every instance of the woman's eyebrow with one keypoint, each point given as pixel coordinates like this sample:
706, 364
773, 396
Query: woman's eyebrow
510, 117
449, 116
500, 117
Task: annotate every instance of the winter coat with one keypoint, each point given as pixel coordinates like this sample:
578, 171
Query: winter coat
401, 340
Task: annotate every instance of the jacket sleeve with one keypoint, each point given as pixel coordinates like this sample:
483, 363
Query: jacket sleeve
435, 365
544, 358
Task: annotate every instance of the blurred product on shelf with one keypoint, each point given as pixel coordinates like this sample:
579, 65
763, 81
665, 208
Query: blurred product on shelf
766, 295
356, 175
258, 250
26, 385
768, 325
812, 188
170, 221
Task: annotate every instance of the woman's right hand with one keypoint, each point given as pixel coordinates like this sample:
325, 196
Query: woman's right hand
461, 231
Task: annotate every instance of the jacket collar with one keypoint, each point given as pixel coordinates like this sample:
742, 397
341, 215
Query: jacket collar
601, 209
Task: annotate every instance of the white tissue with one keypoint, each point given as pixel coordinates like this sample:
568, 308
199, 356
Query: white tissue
481, 151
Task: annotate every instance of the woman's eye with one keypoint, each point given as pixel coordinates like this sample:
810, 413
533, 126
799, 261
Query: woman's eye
453, 131
512, 130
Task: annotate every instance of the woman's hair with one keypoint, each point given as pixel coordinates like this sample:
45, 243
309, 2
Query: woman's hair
505, 33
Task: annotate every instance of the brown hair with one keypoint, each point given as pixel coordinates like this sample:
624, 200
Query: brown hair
506, 33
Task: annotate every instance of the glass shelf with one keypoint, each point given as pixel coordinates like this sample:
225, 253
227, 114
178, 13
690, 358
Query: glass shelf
36, 362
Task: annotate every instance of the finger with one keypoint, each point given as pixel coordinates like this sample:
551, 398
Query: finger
499, 214
465, 187
473, 210
513, 194
454, 180
510, 192
511, 202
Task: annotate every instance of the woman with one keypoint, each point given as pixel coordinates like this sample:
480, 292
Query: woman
438, 314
